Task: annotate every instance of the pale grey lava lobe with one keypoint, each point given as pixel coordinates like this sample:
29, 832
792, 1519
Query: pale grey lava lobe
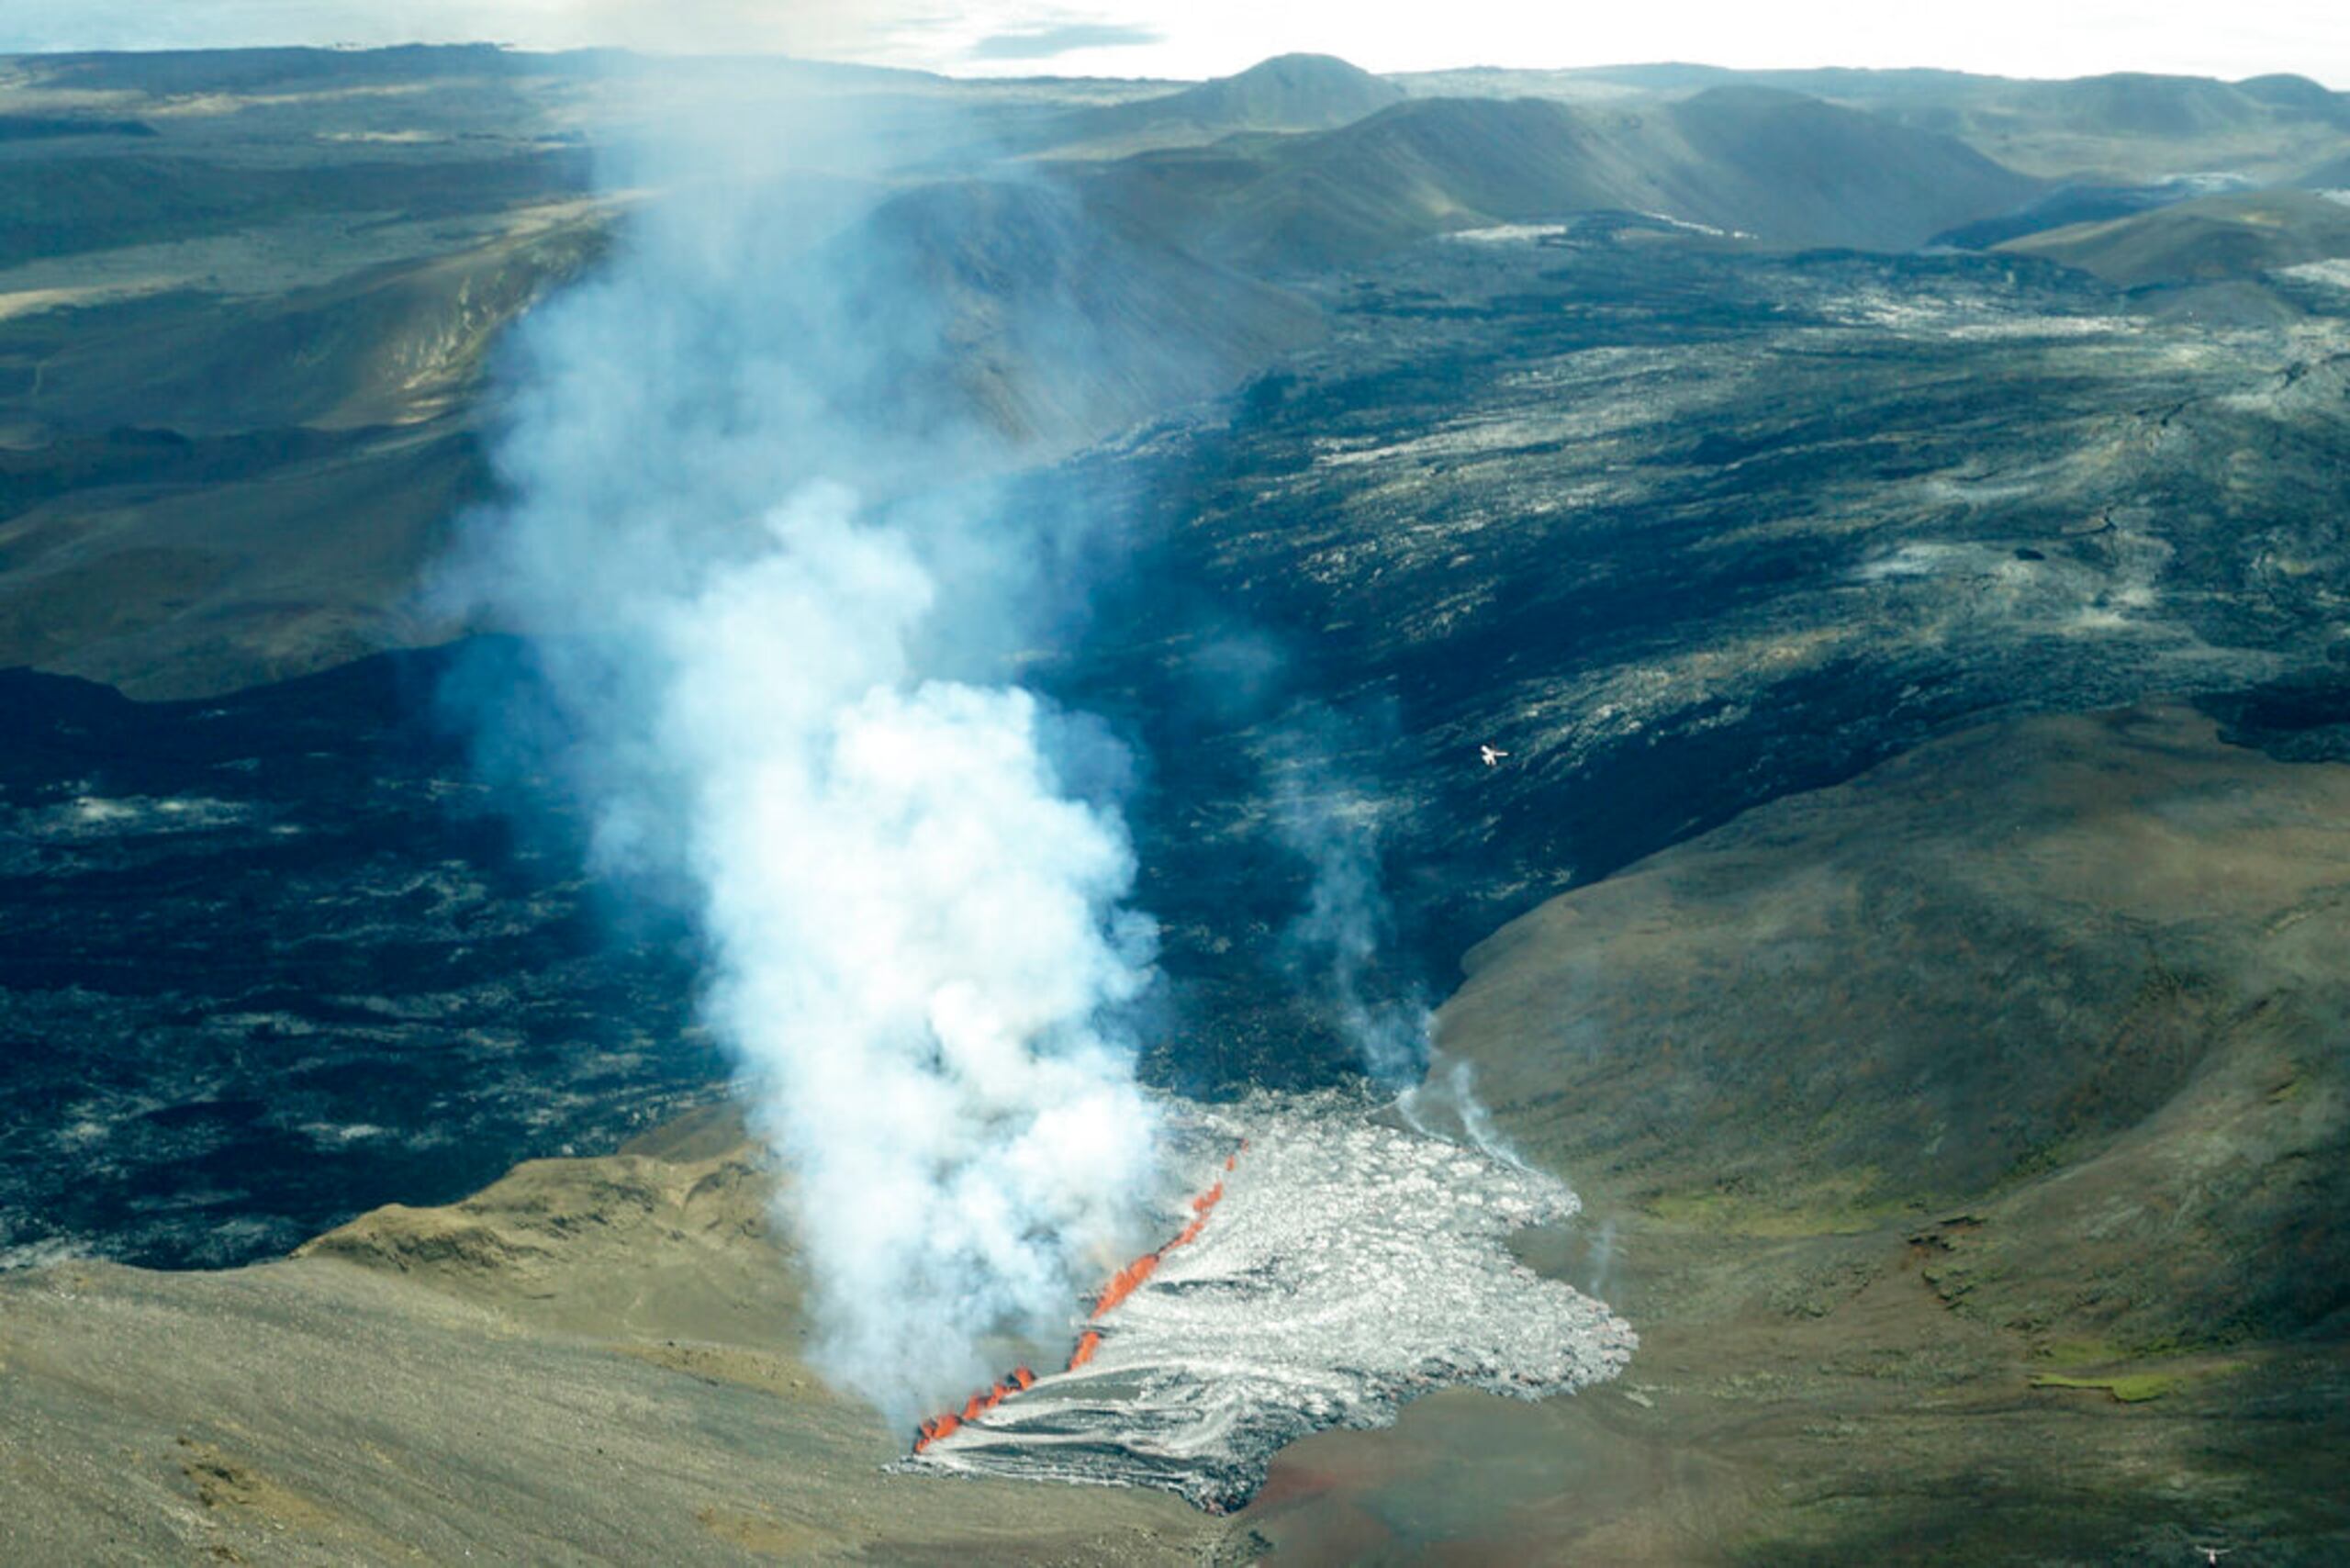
1349, 1267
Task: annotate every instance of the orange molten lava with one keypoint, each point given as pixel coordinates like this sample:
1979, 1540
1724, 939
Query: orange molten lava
974, 1407
1123, 1284
934, 1429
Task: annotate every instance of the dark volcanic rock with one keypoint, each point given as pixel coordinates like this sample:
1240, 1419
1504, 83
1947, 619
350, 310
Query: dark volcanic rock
272, 959
1683, 531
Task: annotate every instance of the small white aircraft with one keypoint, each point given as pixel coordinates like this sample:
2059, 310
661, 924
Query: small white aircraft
1492, 758
2212, 1554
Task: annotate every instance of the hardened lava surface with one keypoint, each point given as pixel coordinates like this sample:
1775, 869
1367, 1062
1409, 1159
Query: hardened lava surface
1347, 1268
1681, 528
268, 961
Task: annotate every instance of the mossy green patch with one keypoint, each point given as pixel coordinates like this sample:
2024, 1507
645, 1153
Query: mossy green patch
2130, 1388
2137, 1387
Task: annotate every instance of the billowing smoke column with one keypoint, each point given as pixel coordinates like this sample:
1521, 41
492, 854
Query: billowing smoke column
728, 542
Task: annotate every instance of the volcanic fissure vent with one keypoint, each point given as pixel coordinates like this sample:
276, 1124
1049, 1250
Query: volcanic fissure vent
1339, 1270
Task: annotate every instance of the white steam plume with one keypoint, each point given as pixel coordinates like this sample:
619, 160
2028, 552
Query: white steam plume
1341, 943
730, 546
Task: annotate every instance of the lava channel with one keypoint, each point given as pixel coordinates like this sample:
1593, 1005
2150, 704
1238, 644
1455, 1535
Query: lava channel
1343, 1268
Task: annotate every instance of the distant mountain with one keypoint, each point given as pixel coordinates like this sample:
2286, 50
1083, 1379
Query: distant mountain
49, 128
1798, 170
2125, 128
1785, 169
1287, 92
2132, 104
2289, 92
280, 69
2218, 239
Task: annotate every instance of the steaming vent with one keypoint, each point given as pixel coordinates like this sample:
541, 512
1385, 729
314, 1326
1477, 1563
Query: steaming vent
1341, 1269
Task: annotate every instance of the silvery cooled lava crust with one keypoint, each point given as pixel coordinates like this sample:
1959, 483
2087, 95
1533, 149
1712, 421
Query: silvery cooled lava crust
1349, 1267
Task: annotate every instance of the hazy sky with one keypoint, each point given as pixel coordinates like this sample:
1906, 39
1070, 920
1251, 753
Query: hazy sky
1195, 38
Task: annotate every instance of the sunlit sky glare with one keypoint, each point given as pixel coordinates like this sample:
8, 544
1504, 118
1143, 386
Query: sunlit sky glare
1203, 38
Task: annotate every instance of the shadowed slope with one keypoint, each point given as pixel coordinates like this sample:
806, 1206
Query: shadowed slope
1969, 1144
2076, 967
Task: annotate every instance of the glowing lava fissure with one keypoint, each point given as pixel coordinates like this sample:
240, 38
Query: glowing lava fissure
1361, 1265
1122, 1284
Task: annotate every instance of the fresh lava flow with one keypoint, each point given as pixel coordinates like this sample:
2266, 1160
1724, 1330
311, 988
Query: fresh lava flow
1358, 1264
1123, 1284
979, 1404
